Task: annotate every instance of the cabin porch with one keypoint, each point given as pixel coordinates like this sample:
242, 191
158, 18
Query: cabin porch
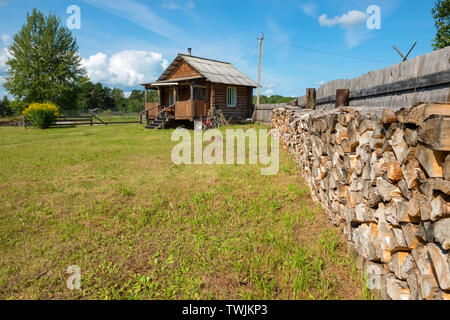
178, 101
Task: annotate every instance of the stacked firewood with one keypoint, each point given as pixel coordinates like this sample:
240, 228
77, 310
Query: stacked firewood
383, 176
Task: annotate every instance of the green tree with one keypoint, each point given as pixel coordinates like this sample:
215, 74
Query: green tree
84, 97
441, 15
136, 100
120, 103
45, 64
273, 99
18, 106
93, 96
5, 108
136, 95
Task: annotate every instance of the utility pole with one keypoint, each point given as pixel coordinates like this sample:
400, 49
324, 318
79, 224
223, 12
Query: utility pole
259, 73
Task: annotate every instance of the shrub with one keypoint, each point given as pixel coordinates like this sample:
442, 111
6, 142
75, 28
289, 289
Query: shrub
18, 106
41, 115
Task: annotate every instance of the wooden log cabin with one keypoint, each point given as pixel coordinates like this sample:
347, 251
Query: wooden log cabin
192, 88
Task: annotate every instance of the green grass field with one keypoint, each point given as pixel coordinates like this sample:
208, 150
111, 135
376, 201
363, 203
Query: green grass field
109, 199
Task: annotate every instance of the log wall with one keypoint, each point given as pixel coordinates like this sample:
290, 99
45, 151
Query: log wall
382, 176
183, 70
244, 106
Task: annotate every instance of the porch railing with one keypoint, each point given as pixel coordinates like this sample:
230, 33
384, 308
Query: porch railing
184, 110
188, 110
152, 110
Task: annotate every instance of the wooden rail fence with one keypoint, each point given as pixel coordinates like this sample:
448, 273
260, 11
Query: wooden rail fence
90, 120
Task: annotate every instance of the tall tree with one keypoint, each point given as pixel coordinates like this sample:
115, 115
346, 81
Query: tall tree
119, 99
93, 96
136, 100
441, 15
5, 109
45, 64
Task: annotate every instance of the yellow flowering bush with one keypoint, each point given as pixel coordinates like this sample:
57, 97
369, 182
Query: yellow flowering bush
41, 115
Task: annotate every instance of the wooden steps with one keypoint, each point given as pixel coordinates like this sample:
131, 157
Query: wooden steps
156, 124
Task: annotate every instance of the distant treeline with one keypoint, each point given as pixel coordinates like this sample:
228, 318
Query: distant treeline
5, 107
94, 96
91, 96
273, 99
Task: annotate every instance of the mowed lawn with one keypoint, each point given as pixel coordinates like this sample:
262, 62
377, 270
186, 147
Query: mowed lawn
109, 200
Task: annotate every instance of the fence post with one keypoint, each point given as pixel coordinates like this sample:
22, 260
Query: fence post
342, 97
92, 122
311, 98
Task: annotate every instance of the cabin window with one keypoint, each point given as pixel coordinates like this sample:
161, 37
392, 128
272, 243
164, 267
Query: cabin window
231, 97
199, 94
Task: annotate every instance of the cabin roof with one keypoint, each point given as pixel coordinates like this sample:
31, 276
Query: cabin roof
213, 70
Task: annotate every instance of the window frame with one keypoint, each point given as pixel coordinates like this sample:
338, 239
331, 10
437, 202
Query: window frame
171, 97
234, 90
199, 92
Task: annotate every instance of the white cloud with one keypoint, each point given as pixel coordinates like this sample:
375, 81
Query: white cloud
126, 68
319, 83
5, 39
5, 2
353, 22
190, 4
281, 35
170, 5
268, 90
347, 20
4, 53
4, 56
177, 5
276, 30
309, 8
353, 37
140, 14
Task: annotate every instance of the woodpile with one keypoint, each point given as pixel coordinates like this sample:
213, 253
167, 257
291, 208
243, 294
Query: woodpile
383, 176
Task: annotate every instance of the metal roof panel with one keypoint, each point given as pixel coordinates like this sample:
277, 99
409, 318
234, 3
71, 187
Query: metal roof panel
219, 72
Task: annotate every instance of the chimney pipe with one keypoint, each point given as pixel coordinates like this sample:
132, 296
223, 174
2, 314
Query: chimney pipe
189, 51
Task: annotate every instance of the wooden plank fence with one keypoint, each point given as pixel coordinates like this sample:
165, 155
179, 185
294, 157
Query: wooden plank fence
421, 79
263, 112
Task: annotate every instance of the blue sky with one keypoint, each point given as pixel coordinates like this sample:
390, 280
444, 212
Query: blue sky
127, 42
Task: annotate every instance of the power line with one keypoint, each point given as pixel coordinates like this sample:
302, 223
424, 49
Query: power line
247, 55
327, 53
